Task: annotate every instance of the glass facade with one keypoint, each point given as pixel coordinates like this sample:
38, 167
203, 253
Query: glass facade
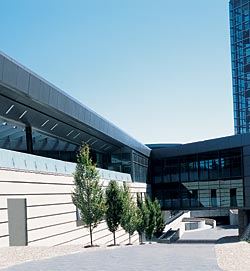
16, 136
207, 180
240, 56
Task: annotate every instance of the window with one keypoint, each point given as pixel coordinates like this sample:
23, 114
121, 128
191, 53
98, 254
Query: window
233, 199
213, 198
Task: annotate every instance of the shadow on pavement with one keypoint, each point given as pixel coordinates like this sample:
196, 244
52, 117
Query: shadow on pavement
228, 239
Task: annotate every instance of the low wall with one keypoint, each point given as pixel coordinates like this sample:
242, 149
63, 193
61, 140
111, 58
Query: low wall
177, 224
51, 217
210, 213
234, 217
194, 225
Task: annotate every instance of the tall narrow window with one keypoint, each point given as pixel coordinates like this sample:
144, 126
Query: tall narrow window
213, 198
194, 198
233, 199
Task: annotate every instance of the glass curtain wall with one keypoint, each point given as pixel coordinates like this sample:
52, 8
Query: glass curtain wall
140, 167
240, 57
208, 180
13, 137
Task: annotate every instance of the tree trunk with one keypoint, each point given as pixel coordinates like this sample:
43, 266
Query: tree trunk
90, 232
129, 238
114, 238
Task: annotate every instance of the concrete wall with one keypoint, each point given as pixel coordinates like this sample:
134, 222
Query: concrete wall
234, 217
178, 224
51, 215
210, 213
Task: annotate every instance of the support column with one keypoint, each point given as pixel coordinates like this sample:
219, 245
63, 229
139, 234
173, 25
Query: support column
243, 221
29, 143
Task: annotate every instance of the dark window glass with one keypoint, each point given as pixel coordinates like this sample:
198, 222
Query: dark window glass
193, 170
194, 198
167, 174
233, 199
214, 171
213, 198
184, 169
203, 170
236, 166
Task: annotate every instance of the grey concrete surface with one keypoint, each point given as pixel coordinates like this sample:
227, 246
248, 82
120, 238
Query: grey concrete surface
213, 234
146, 257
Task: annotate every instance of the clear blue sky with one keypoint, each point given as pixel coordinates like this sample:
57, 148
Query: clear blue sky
160, 70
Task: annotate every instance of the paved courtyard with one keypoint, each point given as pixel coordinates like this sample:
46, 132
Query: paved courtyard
212, 235
145, 257
189, 255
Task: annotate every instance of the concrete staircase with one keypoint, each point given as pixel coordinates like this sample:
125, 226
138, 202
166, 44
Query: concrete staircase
169, 237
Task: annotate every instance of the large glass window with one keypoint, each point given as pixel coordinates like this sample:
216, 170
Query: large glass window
213, 198
140, 167
204, 180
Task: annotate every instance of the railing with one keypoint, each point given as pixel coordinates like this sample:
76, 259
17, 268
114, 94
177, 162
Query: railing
172, 218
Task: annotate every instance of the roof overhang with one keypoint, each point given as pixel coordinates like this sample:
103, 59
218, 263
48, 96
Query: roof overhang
25, 97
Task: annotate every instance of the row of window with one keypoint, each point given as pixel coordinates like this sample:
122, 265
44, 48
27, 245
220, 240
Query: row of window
206, 166
225, 194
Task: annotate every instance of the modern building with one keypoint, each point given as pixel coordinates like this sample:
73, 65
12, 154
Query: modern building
208, 178
41, 129
240, 55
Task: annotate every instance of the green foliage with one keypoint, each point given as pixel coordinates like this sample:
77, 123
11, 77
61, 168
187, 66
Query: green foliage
114, 207
159, 219
128, 219
152, 217
88, 195
142, 214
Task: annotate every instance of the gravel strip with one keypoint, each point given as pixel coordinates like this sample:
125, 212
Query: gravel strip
16, 255
233, 256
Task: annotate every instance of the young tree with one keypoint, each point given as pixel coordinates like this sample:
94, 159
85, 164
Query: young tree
88, 195
113, 207
142, 217
128, 219
152, 218
159, 219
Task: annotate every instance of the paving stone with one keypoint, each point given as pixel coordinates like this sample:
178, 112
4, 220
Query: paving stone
147, 257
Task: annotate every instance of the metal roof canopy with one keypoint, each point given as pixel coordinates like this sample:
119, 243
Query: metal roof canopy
25, 97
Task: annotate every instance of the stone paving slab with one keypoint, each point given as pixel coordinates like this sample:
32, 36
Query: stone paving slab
213, 234
145, 257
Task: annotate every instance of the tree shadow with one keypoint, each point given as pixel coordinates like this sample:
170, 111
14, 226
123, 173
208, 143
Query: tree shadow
112, 245
89, 246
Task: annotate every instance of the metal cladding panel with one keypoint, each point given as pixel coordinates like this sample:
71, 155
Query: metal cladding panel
246, 162
236, 141
1, 67
44, 92
50, 100
81, 112
53, 98
10, 73
247, 191
247, 202
69, 107
23, 79
246, 150
61, 102
34, 87
245, 139
203, 146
